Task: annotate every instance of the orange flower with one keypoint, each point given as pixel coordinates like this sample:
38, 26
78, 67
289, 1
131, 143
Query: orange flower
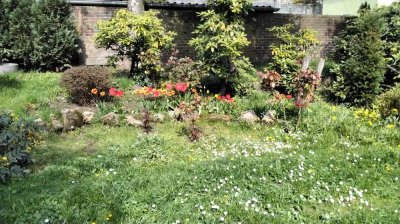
102, 93
94, 91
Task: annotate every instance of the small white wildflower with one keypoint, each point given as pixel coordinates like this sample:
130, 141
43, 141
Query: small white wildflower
216, 207
46, 220
221, 219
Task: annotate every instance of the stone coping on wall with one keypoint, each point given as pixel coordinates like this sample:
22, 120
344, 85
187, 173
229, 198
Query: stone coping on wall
155, 5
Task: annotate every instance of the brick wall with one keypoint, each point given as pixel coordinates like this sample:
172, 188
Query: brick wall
183, 22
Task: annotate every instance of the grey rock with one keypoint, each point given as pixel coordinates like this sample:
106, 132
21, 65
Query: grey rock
158, 117
249, 117
219, 117
56, 125
111, 119
172, 114
72, 119
269, 117
88, 116
134, 122
39, 122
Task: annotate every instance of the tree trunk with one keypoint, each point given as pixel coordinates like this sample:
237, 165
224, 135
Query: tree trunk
136, 6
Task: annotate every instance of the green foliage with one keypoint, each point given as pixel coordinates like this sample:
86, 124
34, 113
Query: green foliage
182, 69
359, 53
38, 35
80, 83
16, 138
388, 102
391, 35
221, 38
288, 55
140, 38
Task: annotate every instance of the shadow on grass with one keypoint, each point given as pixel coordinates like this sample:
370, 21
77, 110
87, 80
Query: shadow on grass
9, 82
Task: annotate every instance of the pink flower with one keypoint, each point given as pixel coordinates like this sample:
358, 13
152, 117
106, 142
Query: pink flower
114, 92
181, 87
288, 97
156, 93
169, 86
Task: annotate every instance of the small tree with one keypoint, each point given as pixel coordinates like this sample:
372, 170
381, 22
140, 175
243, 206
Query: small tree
392, 47
289, 53
38, 35
360, 54
221, 38
140, 38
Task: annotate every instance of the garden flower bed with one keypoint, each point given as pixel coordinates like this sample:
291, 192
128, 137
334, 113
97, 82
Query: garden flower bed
339, 166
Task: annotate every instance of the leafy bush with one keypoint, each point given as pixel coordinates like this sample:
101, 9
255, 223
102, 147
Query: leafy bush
221, 38
140, 38
360, 56
392, 37
87, 84
388, 102
288, 55
16, 138
182, 69
38, 35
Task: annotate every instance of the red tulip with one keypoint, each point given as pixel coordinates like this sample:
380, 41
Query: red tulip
114, 92
169, 86
181, 87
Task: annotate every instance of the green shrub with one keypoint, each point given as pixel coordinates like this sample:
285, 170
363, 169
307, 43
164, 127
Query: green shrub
87, 84
359, 53
391, 35
140, 38
388, 102
288, 55
220, 39
16, 138
43, 34
183, 69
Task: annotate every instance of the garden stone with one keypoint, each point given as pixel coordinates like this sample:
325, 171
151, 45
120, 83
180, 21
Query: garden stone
56, 125
159, 117
88, 116
172, 114
111, 119
39, 122
72, 118
219, 117
249, 117
269, 117
134, 122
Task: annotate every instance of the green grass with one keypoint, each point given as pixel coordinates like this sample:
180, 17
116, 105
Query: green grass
247, 174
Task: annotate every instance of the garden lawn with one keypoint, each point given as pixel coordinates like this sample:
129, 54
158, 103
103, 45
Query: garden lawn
336, 168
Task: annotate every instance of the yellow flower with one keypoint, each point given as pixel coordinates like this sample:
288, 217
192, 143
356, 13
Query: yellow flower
395, 111
391, 126
334, 118
93, 222
102, 93
94, 91
389, 168
370, 123
216, 96
4, 158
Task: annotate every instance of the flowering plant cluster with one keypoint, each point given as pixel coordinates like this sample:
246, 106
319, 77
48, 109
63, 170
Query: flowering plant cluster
168, 90
113, 92
227, 98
